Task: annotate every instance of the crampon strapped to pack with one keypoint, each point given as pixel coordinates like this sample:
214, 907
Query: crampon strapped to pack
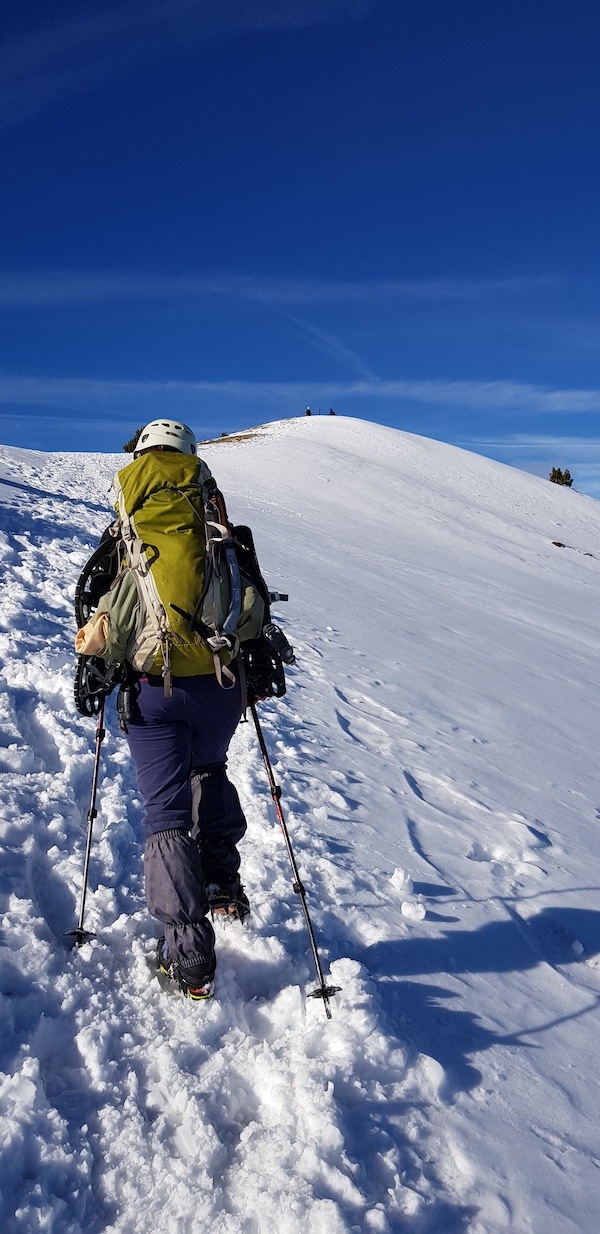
96, 678
98, 574
94, 681
263, 656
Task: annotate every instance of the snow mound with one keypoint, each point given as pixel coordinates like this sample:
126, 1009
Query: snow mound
437, 755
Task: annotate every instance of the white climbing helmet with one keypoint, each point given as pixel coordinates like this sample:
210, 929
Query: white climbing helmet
166, 433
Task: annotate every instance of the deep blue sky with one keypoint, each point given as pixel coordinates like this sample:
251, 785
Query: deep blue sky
227, 209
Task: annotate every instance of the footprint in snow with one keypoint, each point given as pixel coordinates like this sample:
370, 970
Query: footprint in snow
366, 734
504, 860
541, 840
371, 707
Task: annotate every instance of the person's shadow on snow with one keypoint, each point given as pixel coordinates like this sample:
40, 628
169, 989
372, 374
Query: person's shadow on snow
434, 1019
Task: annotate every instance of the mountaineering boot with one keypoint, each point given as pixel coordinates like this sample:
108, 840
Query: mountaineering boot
229, 901
196, 982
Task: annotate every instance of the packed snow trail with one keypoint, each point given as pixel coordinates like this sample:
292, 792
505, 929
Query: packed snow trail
437, 755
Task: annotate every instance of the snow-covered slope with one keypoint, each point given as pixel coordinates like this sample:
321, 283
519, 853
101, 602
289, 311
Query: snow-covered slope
437, 751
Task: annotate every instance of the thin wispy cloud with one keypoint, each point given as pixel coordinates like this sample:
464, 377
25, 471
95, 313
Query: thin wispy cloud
330, 345
532, 441
56, 288
57, 60
538, 452
496, 395
83, 393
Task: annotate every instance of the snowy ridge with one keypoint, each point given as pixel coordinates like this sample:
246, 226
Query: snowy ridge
437, 754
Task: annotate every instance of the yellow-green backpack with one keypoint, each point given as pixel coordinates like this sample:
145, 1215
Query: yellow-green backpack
179, 604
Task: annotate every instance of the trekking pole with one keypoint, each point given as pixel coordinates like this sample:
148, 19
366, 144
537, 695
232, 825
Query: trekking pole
323, 991
80, 935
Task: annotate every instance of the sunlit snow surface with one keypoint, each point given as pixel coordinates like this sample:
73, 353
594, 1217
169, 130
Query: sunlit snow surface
438, 753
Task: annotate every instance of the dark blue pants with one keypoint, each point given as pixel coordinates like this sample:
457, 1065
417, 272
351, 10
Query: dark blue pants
192, 815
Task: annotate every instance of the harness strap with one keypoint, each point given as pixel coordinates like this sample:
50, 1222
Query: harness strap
223, 672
